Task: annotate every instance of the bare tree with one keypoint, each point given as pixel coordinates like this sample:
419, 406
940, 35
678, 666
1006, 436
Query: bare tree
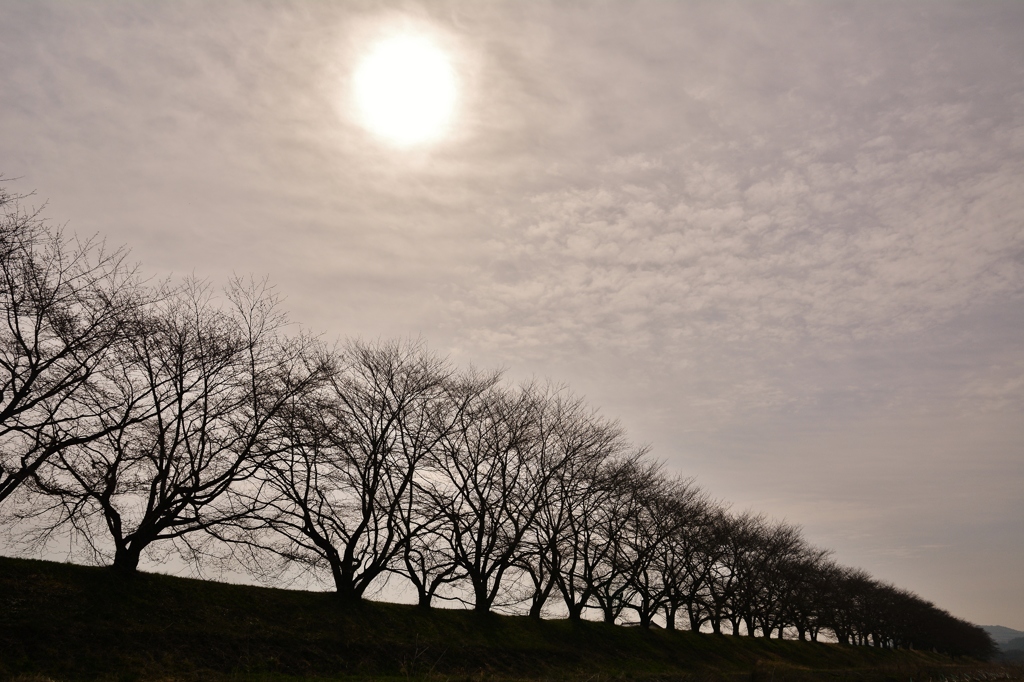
199, 385
687, 556
428, 558
778, 548
663, 515
625, 551
579, 441
731, 586
589, 494
348, 460
492, 472
802, 591
65, 306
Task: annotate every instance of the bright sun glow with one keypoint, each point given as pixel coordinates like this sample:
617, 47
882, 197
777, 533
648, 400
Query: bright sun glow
405, 89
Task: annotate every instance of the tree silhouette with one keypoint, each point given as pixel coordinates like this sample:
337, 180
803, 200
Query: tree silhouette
145, 418
66, 305
198, 386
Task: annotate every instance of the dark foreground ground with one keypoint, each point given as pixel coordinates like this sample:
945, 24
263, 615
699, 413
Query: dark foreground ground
66, 623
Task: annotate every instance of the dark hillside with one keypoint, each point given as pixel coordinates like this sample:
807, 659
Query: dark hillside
65, 622
1012, 651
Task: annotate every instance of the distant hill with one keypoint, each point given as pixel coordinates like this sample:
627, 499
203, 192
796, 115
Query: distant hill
1010, 642
76, 624
1002, 635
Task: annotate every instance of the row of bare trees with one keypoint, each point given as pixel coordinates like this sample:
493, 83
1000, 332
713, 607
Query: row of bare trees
140, 420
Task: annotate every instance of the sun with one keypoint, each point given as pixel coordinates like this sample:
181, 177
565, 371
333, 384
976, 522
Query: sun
405, 90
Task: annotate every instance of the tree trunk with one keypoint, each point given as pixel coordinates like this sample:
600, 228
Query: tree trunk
694, 618
482, 599
344, 585
540, 599
348, 593
126, 558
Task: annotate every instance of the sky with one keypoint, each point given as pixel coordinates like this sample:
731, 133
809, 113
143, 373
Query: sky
782, 243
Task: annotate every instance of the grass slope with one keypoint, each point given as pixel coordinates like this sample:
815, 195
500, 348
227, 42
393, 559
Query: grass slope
66, 622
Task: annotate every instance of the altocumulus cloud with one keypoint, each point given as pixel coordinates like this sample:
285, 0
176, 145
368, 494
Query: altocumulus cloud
811, 250
868, 227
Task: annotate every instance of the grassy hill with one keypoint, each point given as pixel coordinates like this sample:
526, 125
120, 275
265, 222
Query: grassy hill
63, 622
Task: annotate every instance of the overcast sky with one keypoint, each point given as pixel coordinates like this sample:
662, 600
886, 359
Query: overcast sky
783, 243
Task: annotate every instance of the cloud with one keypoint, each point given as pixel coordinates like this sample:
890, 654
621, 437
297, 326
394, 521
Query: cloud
807, 252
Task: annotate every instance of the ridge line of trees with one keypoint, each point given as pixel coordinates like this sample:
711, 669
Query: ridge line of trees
144, 420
